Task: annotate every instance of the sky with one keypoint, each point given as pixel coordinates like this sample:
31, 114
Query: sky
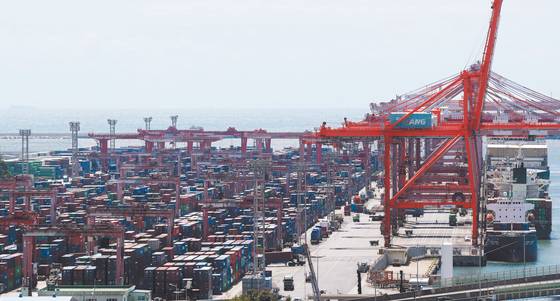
259, 54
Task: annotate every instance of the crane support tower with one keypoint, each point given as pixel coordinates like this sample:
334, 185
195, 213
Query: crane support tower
112, 123
25, 133
147, 122
74, 129
174, 120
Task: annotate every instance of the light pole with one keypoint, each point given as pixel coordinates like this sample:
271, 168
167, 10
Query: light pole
112, 123
479, 270
260, 171
25, 133
187, 288
174, 120
317, 270
176, 289
147, 122
317, 274
524, 261
74, 129
375, 289
417, 273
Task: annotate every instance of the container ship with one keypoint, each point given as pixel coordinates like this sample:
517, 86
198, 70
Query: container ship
510, 237
502, 155
518, 206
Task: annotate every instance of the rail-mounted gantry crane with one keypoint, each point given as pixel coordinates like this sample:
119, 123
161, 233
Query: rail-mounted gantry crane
174, 181
440, 164
83, 232
137, 212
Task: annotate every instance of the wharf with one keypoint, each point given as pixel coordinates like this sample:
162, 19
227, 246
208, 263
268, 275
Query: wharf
336, 259
337, 256
432, 230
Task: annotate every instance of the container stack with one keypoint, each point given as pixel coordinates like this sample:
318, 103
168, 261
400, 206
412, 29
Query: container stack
152, 260
10, 270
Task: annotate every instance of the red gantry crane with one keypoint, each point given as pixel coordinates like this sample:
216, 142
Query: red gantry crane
137, 212
175, 181
432, 137
97, 230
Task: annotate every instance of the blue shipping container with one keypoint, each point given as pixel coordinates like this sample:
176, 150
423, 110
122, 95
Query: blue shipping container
418, 120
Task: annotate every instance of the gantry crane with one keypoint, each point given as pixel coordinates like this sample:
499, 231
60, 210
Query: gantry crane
52, 194
23, 219
133, 212
136, 167
440, 164
175, 181
98, 230
274, 203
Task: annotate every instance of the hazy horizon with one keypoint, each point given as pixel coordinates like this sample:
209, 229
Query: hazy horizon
255, 54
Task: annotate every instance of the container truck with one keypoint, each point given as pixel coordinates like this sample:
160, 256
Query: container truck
453, 219
315, 235
288, 283
324, 224
347, 210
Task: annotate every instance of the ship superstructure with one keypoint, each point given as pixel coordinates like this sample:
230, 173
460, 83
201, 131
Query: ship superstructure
524, 162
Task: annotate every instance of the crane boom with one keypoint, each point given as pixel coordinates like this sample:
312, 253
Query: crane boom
487, 62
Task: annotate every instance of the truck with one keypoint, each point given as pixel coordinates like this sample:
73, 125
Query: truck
339, 217
334, 225
453, 219
375, 217
298, 260
278, 257
316, 235
288, 283
298, 249
415, 212
347, 210
324, 224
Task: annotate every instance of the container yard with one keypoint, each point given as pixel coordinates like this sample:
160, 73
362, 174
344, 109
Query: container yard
453, 175
173, 221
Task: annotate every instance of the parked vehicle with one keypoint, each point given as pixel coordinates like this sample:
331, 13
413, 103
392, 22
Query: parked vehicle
288, 283
316, 236
347, 210
298, 260
297, 249
278, 257
453, 219
324, 224
363, 267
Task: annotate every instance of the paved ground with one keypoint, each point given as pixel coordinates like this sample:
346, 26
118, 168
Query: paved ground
339, 254
336, 259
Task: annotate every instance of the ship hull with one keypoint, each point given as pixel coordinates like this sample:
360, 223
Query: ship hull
511, 246
542, 217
